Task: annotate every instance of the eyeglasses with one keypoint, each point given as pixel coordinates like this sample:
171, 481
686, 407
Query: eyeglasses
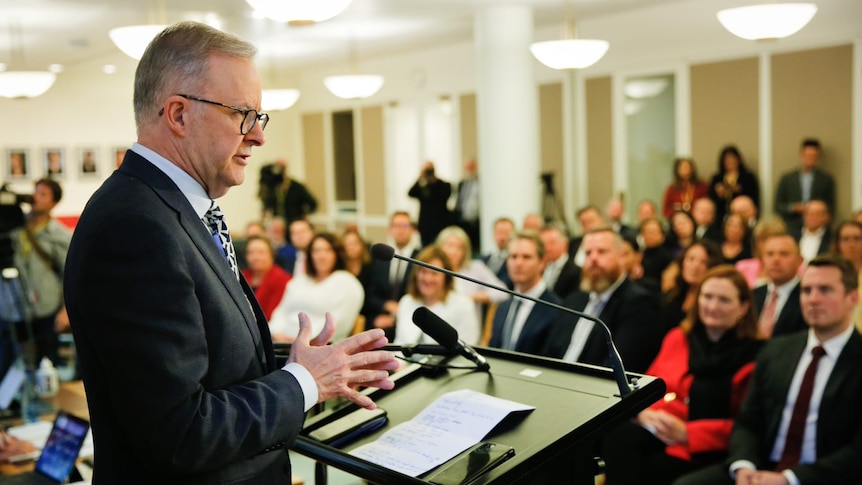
249, 116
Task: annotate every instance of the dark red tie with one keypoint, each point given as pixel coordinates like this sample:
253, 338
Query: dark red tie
796, 431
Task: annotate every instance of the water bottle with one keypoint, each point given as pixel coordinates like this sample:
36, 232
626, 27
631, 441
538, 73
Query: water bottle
47, 379
31, 405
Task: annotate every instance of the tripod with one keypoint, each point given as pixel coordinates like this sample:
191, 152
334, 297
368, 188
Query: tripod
552, 208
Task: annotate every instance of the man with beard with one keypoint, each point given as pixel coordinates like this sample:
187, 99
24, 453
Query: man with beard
629, 310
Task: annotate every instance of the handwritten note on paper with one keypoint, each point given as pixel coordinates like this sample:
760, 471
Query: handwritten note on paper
451, 424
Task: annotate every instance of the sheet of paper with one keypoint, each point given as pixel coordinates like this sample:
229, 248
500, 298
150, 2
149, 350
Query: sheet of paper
451, 424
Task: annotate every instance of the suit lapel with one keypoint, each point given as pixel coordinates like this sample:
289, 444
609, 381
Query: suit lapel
138, 167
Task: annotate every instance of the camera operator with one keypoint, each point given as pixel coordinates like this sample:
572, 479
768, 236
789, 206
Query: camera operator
433, 195
39, 253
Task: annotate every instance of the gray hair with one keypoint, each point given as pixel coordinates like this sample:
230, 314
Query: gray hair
179, 55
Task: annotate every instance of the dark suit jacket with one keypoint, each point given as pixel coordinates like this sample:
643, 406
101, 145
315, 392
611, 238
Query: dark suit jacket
789, 191
631, 314
433, 213
175, 353
537, 328
569, 279
379, 291
502, 273
790, 319
839, 422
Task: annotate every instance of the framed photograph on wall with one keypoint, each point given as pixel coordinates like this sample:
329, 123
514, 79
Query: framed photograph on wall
88, 162
18, 164
119, 154
54, 162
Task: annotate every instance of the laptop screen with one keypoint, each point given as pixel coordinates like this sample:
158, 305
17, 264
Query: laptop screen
62, 448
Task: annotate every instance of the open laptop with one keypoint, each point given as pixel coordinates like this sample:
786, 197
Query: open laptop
58, 457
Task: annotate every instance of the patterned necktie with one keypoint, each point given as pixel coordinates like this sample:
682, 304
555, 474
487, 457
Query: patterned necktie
767, 318
796, 430
214, 219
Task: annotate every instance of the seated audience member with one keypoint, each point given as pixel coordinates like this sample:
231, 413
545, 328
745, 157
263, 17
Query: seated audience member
752, 268
777, 301
276, 230
253, 228
267, 279
436, 292
646, 210
735, 246
685, 188
357, 257
656, 256
692, 265
706, 363
532, 222
589, 217
815, 235
848, 243
389, 278
301, 234
681, 233
325, 287
630, 311
745, 208
614, 214
519, 324
496, 258
561, 275
703, 212
456, 244
631, 258
800, 421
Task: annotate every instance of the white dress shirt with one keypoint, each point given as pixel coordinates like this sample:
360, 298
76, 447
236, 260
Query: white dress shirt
594, 307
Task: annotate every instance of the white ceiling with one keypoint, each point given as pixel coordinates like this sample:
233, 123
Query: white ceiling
74, 33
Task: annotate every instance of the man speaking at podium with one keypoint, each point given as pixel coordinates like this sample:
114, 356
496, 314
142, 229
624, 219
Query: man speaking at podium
176, 356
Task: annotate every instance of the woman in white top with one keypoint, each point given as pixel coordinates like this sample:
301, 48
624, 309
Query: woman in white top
456, 244
324, 288
434, 290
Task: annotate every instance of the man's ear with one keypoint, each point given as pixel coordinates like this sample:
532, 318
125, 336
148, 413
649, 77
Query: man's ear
176, 112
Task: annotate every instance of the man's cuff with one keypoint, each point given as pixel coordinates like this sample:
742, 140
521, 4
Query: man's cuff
306, 382
739, 465
791, 477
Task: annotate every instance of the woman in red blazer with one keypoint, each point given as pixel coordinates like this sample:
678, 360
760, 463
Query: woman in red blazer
706, 363
266, 278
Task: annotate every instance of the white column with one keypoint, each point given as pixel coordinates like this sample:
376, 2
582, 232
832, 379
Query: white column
507, 112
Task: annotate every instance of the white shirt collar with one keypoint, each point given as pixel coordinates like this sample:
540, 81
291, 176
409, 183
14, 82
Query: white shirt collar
832, 346
190, 187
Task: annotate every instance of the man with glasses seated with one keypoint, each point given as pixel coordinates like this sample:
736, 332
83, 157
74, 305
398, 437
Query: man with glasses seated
175, 352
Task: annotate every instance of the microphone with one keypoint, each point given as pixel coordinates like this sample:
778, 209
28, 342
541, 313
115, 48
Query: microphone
443, 333
384, 252
409, 350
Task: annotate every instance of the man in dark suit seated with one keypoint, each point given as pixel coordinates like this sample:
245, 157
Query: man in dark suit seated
301, 233
521, 324
560, 274
630, 311
589, 217
800, 422
777, 302
815, 235
176, 356
388, 281
496, 259
703, 212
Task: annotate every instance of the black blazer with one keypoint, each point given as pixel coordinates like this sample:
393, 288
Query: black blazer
825, 243
632, 314
789, 191
569, 279
537, 328
839, 422
175, 352
502, 273
790, 319
379, 291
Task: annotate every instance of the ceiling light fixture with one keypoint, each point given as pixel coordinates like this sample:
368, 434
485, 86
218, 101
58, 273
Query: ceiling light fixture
25, 84
22, 84
278, 99
299, 12
354, 86
134, 39
767, 21
570, 52
645, 88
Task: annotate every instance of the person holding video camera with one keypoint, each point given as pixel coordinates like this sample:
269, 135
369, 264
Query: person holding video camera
432, 194
39, 253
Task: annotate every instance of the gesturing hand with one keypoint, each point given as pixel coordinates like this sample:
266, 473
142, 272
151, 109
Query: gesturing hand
339, 367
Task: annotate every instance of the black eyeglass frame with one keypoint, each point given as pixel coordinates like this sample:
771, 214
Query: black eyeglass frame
256, 115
